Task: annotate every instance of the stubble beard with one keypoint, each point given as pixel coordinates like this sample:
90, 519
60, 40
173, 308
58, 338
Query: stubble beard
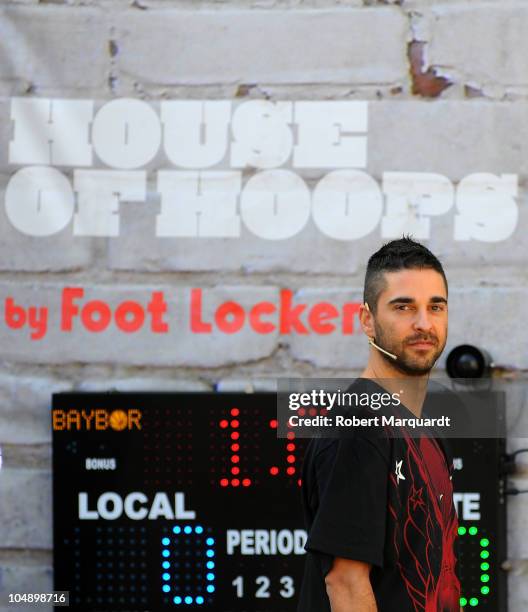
406, 363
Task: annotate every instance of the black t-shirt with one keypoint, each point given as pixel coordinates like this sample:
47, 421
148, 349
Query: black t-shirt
387, 501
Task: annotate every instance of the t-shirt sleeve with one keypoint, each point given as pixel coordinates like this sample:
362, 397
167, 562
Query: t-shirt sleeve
351, 482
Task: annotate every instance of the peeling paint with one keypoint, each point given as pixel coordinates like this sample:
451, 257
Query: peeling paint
244, 89
112, 82
113, 48
472, 92
424, 83
518, 567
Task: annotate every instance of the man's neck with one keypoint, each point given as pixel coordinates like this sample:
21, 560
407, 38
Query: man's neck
411, 389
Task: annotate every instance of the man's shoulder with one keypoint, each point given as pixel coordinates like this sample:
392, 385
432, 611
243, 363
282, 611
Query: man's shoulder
363, 440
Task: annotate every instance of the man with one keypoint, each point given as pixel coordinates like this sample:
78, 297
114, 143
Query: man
379, 509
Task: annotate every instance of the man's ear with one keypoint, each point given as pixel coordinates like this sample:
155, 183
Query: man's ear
366, 319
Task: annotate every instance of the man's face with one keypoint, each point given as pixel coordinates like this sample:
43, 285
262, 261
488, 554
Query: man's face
411, 319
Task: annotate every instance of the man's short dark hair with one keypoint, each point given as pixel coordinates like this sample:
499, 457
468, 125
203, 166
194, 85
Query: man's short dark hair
401, 254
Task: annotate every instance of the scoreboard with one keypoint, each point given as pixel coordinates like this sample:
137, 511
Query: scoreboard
164, 501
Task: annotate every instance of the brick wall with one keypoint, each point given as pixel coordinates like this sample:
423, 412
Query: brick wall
447, 84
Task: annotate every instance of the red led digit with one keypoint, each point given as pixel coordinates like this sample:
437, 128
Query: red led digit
290, 448
232, 426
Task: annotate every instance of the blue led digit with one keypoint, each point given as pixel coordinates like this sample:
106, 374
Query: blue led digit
201, 581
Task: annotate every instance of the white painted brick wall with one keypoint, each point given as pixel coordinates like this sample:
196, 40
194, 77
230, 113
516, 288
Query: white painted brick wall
309, 252
25, 578
25, 404
460, 42
271, 46
178, 347
445, 137
52, 48
60, 252
284, 49
25, 508
161, 385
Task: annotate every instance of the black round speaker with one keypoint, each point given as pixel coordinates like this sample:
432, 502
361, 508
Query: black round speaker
467, 361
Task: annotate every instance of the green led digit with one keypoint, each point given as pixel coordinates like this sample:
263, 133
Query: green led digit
484, 566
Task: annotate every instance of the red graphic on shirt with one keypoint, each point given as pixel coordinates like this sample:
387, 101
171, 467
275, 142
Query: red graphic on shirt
425, 528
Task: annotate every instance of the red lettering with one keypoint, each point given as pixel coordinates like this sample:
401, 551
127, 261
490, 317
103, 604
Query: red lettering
103, 312
124, 322
36, 318
15, 316
232, 311
38, 321
69, 310
350, 309
320, 313
157, 308
197, 325
262, 327
289, 317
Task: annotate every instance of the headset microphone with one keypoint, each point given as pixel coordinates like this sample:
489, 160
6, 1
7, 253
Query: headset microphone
372, 343
391, 355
